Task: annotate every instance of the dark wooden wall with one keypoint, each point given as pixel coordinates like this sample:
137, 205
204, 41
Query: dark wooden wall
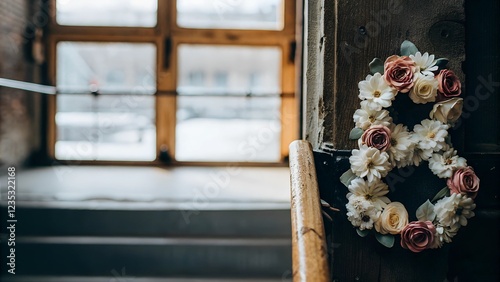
341, 38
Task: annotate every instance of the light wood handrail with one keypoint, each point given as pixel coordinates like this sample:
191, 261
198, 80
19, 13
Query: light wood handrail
308, 234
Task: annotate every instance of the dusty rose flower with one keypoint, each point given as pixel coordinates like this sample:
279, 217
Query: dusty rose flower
418, 236
448, 84
464, 181
447, 111
399, 72
393, 219
377, 136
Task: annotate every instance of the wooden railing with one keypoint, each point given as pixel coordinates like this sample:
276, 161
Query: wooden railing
308, 234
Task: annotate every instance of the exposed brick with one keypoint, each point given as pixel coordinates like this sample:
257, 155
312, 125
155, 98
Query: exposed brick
16, 123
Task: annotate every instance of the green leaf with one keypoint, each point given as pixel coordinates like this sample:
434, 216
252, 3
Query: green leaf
441, 63
426, 212
362, 233
408, 48
324, 203
376, 65
386, 240
355, 133
443, 192
347, 177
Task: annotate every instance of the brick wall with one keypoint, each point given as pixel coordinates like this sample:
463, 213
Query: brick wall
19, 133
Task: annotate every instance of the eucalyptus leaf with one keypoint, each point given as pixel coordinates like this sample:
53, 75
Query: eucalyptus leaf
355, 133
324, 203
441, 63
426, 212
376, 65
386, 240
347, 177
362, 233
443, 192
408, 48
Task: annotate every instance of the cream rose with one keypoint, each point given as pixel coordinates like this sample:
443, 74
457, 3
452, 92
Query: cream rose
393, 219
447, 111
424, 90
399, 72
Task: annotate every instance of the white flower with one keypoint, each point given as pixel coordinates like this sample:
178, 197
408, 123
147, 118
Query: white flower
401, 144
376, 91
444, 234
430, 134
424, 90
454, 210
361, 213
443, 165
369, 162
420, 155
425, 63
366, 117
372, 192
416, 155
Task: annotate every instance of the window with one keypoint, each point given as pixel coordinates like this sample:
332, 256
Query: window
185, 81
232, 14
228, 118
106, 127
140, 13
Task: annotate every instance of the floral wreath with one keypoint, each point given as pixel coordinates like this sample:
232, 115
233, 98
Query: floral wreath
384, 145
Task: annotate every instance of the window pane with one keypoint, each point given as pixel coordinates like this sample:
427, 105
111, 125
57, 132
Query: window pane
229, 105
209, 69
231, 14
228, 129
140, 13
109, 67
107, 127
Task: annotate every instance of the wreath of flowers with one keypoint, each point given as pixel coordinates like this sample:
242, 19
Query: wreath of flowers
384, 145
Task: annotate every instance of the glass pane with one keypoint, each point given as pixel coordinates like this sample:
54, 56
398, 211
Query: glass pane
210, 69
229, 105
228, 129
108, 67
140, 13
231, 14
107, 127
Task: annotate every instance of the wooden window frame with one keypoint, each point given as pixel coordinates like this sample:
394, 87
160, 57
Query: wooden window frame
165, 32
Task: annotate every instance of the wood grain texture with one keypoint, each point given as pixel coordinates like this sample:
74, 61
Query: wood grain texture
308, 235
313, 64
358, 31
364, 259
354, 32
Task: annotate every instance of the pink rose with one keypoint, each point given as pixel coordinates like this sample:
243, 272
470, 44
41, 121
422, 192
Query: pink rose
399, 72
377, 136
464, 181
418, 236
448, 84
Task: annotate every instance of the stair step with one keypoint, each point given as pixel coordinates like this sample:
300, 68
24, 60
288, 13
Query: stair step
38, 221
124, 278
153, 257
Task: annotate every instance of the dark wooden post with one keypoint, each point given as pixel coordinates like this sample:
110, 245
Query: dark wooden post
342, 37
